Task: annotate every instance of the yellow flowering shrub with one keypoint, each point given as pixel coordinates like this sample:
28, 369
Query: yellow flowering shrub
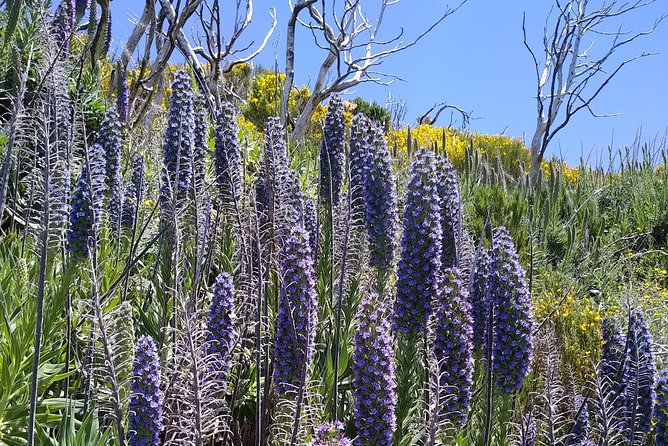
576, 317
510, 150
248, 130
264, 100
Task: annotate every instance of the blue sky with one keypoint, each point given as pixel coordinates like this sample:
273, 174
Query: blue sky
477, 61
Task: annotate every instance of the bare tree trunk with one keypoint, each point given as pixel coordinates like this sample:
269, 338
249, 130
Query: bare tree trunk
320, 93
299, 132
290, 56
537, 150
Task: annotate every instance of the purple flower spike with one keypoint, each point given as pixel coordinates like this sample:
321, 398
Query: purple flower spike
580, 430
639, 374
87, 203
145, 410
332, 152
513, 325
311, 224
179, 141
479, 289
451, 214
419, 267
359, 152
222, 317
661, 410
134, 193
330, 434
297, 312
64, 22
373, 370
381, 203
228, 155
612, 361
110, 137
453, 346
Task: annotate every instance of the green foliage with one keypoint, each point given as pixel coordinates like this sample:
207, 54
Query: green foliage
506, 208
373, 111
18, 273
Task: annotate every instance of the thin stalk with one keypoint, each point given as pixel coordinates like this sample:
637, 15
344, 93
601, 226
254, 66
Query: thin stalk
115, 392
490, 388
99, 315
259, 408
339, 312
133, 239
301, 393
41, 285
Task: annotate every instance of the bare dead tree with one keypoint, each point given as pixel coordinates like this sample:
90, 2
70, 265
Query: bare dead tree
352, 46
290, 54
220, 53
569, 77
439, 108
163, 25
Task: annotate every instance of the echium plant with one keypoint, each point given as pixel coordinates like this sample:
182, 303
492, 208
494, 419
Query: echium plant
528, 431
200, 142
451, 213
274, 169
310, 215
453, 348
179, 140
64, 22
81, 7
123, 100
479, 289
87, 203
221, 324
580, 429
330, 434
227, 154
332, 152
297, 313
145, 411
639, 375
276, 149
134, 192
613, 358
513, 324
420, 263
116, 211
359, 149
381, 203
373, 371
661, 410
110, 138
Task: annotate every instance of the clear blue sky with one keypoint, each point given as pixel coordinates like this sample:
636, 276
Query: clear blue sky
476, 60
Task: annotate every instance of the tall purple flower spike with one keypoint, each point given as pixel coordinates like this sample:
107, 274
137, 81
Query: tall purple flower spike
332, 152
145, 409
381, 203
373, 370
297, 312
453, 348
419, 267
513, 324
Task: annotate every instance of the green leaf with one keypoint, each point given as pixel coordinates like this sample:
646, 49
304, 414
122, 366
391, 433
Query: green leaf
14, 8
